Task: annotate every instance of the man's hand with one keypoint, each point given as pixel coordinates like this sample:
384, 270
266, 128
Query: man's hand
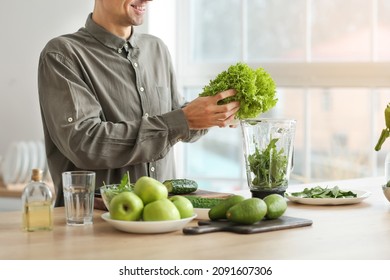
204, 112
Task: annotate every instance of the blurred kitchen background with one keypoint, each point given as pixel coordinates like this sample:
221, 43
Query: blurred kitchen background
330, 60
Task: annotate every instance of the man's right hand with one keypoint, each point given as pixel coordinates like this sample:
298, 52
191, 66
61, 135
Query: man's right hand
204, 112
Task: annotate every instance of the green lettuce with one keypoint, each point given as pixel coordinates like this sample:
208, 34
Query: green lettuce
255, 89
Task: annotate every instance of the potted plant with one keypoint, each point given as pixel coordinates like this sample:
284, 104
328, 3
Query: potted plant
384, 135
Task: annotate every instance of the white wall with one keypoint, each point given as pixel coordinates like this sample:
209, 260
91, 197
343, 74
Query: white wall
26, 26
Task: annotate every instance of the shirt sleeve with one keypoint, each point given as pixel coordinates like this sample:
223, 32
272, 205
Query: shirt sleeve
75, 122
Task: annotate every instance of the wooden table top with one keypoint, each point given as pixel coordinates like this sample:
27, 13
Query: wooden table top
357, 231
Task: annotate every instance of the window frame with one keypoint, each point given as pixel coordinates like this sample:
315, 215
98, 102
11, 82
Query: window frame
371, 74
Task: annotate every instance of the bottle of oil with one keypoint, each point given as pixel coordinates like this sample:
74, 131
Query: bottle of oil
37, 201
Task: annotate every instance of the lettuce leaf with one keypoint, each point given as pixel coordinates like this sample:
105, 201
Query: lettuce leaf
255, 89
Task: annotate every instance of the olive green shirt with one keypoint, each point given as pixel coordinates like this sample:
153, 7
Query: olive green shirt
110, 105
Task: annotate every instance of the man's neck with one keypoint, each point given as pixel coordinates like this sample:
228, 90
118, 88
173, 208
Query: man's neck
120, 31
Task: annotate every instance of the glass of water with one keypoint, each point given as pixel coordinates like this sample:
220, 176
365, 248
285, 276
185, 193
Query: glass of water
79, 188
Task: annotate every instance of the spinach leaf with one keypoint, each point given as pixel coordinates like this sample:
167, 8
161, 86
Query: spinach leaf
269, 166
125, 181
124, 185
320, 192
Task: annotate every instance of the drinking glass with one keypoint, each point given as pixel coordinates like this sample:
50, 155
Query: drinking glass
79, 188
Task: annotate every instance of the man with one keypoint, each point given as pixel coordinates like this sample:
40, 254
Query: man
109, 100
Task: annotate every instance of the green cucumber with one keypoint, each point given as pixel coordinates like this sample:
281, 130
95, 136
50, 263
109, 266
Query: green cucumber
180, 186
204, 202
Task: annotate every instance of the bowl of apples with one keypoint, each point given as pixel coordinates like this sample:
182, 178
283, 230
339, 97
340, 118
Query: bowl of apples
147, 208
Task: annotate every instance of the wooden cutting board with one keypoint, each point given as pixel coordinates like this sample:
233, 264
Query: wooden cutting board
284, 222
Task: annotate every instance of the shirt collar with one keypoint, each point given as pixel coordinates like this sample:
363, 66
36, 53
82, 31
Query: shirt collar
108, 39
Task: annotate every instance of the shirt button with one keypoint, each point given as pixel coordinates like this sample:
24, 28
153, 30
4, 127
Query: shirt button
141, 89
70, 119
152, 169
146, 115
135, 64
119, 50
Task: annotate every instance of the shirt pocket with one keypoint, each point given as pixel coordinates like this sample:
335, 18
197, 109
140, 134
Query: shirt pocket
164, 99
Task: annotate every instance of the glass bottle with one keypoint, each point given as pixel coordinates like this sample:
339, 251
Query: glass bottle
37, 201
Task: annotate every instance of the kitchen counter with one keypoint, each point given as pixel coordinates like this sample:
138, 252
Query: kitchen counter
10, 196
357, 231
16, 190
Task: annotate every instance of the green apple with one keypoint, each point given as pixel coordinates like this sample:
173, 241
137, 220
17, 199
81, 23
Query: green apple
149, 189
126, 206
184, 205
161, 210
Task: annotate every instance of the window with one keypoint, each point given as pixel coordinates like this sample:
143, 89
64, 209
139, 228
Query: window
331, 63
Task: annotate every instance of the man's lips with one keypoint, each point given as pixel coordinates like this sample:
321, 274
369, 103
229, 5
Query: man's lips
140, 9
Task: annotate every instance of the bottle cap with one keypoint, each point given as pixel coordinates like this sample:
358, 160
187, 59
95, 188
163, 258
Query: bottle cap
36, 174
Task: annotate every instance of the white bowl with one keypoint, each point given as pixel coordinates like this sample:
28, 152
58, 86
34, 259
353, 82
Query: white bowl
147, 227
386, 192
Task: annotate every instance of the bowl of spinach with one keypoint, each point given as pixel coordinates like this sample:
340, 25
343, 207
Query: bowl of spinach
109, 191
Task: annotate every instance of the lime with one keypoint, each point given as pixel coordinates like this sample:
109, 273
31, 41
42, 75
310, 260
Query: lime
276, 205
